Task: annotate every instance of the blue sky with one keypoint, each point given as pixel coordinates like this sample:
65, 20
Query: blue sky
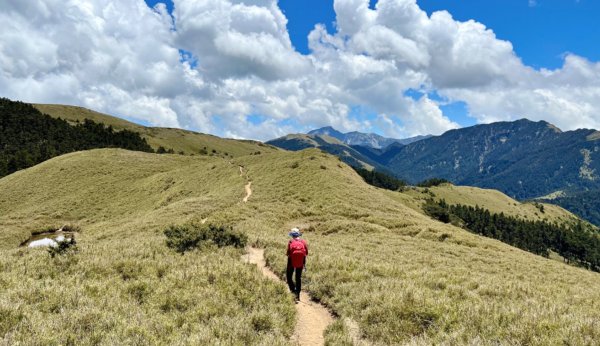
541, 31
243, 69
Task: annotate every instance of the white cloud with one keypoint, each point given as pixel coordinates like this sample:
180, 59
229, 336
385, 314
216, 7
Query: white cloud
123, 58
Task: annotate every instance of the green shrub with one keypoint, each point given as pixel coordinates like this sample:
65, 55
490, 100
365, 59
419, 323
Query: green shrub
224, 236
64, 247
188, 237
181, 238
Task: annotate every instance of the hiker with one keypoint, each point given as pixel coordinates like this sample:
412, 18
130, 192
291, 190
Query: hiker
297, 251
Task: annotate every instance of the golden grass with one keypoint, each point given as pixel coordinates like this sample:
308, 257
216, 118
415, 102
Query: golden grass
396, 275
493, 200
186, 141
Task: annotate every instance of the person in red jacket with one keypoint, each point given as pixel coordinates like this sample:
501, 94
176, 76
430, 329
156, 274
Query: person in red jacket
297, 250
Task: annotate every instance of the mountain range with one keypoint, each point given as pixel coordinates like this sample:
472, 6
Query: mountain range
372, 140
523, 158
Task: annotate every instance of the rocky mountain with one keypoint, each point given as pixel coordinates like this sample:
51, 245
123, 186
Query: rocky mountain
363, 139
524, 159
353, 155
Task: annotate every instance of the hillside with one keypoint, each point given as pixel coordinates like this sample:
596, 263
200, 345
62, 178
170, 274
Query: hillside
332, 145
28, 137
495, 201
586, 204
523, 159
391, 274
179, 140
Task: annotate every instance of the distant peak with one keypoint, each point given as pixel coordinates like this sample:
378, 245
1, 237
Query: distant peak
324, 129
329, 131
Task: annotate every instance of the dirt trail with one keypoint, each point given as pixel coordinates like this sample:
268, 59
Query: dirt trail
313, 318
248, 188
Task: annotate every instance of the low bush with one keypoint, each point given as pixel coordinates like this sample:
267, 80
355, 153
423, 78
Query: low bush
63, 247
184, 238
181, 238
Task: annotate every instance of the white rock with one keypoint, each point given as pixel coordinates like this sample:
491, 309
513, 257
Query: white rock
43, 242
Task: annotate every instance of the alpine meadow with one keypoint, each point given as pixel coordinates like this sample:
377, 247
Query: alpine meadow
389, 273
306, 173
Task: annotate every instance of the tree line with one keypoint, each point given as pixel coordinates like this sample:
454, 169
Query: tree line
433, 182
379, 179
389, 182
28, 137
577, 243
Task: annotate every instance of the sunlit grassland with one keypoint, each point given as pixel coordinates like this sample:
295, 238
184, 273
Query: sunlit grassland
405, 278
493, 200
188, 142
395, 273
124, 285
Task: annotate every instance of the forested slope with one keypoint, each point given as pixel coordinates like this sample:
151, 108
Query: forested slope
28, 137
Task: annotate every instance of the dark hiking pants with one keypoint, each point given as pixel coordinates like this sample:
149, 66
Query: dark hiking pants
294, 287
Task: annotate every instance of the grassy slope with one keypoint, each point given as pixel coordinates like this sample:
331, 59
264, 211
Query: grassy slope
177, 139
125, 286
398, 274
493, 200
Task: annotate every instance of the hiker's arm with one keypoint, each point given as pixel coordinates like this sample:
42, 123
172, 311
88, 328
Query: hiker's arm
306, 247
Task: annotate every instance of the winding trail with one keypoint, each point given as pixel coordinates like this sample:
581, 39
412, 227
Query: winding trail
248, 188
313, 318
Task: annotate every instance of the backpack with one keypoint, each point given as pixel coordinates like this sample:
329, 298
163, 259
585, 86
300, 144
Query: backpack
297, 248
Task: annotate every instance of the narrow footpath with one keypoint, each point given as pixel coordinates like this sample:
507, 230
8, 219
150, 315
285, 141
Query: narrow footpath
313, 318
248, 188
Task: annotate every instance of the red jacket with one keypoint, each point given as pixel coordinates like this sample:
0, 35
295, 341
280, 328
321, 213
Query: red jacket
297, 250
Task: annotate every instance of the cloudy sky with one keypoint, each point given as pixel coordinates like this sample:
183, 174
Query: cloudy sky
261, 68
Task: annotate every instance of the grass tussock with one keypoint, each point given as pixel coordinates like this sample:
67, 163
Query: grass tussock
375, 259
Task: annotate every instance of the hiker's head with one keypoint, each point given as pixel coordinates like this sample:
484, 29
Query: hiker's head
295, 233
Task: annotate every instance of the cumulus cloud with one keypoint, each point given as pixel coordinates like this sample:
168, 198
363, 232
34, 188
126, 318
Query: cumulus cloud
228, 67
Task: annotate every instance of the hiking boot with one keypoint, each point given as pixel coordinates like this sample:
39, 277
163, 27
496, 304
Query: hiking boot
297, 297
